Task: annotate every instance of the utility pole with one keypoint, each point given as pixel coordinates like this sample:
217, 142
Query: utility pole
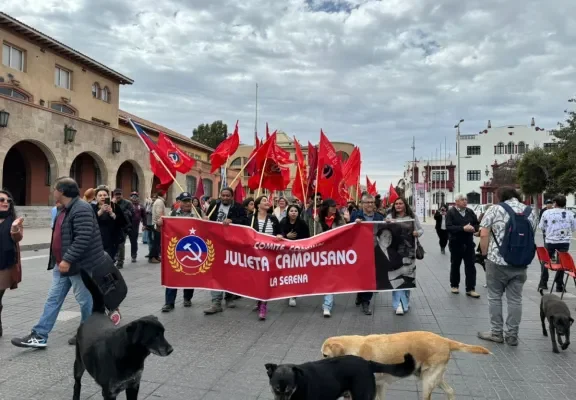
413, 173
457, 126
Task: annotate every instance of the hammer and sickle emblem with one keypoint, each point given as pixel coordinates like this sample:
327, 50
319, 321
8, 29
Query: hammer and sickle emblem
195, 256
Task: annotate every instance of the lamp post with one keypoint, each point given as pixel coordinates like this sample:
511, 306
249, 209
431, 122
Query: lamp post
457, 127
487, 172
4, 117
425, 175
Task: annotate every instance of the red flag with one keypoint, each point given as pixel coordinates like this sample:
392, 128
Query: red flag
199, 189
351, 169
239, 193
371, 187
181, 161
269, 169
160, 166
225, 150
298, 190
312, 169
392, 195
330, 180
251, 166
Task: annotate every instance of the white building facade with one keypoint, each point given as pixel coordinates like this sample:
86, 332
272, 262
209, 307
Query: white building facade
481, 154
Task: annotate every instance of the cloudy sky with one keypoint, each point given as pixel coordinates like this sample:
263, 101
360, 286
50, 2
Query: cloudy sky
375, 73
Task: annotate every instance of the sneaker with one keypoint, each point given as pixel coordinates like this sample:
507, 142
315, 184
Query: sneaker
187, 303
30, 341
455, 290
119, 266
399, 310
213, 309
72, 341
473, 294
491, 337
230, 303
292, 302
133, 259
154, 260
511, 340
167, 307
115, 317
262, 311
326, 313
366, 309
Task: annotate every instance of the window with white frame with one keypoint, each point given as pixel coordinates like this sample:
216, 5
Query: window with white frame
473, 150
105, 95
12, 57
62, 77
438, 176
191, 184
473, 175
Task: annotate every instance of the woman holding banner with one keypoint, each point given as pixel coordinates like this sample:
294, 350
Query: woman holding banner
401, 211
328, 218
266, 223
293, 227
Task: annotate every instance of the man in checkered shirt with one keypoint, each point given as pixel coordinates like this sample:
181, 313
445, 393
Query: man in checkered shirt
499, 275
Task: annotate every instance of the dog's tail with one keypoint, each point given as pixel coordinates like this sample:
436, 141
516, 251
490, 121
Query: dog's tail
466, 348
98, 306
401, 370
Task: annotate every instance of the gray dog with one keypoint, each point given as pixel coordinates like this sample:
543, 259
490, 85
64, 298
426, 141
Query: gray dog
559, 320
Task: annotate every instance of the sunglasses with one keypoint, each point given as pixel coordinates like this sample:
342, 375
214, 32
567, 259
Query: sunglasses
5, 200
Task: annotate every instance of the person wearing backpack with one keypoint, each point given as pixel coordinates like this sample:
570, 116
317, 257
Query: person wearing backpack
507, 240
557, 225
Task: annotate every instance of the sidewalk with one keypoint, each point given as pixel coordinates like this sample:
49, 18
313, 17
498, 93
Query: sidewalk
36, 239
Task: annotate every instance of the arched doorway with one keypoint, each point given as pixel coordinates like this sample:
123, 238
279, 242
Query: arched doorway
86, 171
128, 177
28, 174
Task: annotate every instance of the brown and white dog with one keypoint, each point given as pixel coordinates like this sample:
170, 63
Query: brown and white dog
431, 352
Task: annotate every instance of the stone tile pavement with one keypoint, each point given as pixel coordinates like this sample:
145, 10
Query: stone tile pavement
222, 356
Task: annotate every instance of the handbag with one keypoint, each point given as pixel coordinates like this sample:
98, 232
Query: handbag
110, 283
419, 250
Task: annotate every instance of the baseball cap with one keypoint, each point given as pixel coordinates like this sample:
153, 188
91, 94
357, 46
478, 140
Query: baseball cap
134, 194
117, 191
548, 202
185, 196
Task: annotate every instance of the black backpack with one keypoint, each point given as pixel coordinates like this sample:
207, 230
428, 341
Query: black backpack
518, 246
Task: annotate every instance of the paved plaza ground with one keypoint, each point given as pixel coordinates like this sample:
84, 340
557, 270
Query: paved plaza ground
223, 356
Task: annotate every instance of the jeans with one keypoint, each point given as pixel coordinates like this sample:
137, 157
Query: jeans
60, 287
144, 237
401, 297
459, 252
134, 242
511, 279
218, 296
552, 249
150, 232
328, 302
171, 295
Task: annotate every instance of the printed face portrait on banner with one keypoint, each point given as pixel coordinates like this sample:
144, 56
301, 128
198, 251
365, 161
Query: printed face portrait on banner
394, 255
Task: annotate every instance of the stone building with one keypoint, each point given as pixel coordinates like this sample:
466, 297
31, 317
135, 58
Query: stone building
60, 116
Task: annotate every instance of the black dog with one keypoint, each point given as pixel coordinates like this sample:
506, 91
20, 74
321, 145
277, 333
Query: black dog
559, 320
330, 378
114, 356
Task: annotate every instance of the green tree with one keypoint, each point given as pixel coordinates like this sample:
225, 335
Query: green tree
210, 135
535, 171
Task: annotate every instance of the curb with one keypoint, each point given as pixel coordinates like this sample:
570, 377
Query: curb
43, 246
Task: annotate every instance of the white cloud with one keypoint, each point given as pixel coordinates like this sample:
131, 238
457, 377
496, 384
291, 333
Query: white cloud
375, 73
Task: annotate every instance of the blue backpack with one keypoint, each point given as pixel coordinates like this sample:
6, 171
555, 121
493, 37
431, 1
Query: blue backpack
518, 246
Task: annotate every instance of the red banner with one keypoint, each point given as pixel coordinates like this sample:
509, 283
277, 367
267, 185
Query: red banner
237, 259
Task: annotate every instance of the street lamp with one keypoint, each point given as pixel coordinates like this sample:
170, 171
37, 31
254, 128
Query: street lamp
116, 145
487, 172
425, 175
69, 134
4, 116
457, 127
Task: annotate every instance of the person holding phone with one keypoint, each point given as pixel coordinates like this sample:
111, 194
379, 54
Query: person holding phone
441, 231
293, 227
111, 222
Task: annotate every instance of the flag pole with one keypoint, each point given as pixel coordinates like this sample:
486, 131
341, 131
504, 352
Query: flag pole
302, 183
242, 169
259, 187
316, 184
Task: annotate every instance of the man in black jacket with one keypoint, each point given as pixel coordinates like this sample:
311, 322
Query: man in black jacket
76, 244
228, 212
461, 224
